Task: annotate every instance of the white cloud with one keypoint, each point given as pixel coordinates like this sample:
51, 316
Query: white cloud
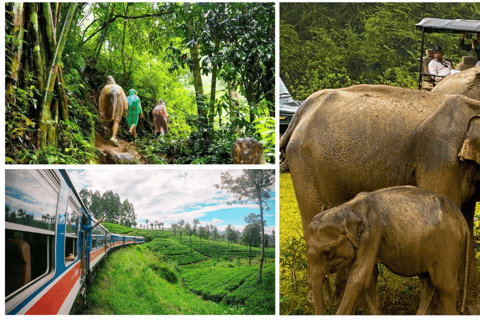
217, 221
163, 195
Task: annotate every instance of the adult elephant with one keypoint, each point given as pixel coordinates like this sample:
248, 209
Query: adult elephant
113, 106
466, 83
364, 138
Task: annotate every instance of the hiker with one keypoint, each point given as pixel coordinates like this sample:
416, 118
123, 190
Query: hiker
134, 110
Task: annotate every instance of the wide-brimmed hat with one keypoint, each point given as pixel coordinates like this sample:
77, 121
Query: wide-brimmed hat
437, 48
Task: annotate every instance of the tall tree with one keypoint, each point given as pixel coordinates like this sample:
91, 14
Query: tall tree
190, 231
36, 53
252, 185
195, 223
251, 235
181, 223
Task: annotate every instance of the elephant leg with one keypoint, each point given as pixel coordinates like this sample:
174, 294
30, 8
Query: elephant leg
472, 300
359, 281
370, 299
448, 299
328, 290
340, 281
444, 279
426, 297
310, 202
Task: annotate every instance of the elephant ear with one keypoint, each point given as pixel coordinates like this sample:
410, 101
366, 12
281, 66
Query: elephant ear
471, 145
353, 228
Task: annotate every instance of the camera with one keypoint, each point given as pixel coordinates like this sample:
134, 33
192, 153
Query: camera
469, 36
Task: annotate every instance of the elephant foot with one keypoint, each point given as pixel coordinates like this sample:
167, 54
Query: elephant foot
115, 142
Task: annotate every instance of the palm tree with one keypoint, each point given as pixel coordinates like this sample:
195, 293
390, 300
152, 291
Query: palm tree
146, 221
156, 224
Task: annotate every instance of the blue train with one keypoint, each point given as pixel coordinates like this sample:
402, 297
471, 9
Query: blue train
53, 245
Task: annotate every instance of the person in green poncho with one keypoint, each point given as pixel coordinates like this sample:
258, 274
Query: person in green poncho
134, 110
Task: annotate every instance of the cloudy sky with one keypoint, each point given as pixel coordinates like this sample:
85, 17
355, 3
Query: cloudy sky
167, 195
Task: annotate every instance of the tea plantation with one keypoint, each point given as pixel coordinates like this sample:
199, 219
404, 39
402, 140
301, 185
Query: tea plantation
204, 277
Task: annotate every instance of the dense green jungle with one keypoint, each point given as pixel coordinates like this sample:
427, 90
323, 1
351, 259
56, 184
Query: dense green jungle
211, 63
180, 274
336, 45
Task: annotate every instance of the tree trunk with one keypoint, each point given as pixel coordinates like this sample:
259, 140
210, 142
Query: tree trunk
125, 80
18, 13
39, 64
197, 77
63, 113
46, 126
261, 235
214, 85
250, 255
50, 28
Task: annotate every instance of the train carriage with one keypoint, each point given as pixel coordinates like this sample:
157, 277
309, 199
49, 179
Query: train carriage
52, 243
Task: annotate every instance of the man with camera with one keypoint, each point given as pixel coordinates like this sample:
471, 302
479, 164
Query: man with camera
473, 46
439, 67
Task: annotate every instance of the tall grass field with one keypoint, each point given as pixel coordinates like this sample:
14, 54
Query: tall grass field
167, 276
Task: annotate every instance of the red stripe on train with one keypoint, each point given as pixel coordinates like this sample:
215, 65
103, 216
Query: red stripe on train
96, 253
53, 299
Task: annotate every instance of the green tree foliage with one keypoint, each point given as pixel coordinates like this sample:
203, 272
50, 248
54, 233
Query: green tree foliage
333, 45
109, 203
252, 185
148, 47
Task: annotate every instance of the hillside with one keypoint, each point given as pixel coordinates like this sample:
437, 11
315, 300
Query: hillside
168, 276
212, 72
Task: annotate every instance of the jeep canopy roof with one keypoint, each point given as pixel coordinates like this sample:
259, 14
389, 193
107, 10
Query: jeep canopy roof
433, 25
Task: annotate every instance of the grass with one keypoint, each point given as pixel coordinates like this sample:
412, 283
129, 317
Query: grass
166, 276
234, 284
116, 228
397, 295
128, 285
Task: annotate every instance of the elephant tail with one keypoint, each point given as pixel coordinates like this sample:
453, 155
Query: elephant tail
113, 98
467, 261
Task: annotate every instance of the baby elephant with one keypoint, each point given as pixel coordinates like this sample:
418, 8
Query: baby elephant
413, 232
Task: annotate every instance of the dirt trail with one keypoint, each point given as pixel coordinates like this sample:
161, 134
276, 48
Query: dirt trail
108, 148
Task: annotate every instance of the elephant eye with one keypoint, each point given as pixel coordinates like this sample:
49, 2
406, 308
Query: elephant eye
328, 252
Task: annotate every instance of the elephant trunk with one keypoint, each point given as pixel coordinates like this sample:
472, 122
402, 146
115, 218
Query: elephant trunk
317, 278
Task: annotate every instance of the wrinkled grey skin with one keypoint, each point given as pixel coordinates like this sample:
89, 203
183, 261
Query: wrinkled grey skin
364, 138
413, 232
466, 83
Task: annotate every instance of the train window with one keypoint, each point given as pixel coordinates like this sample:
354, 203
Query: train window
28, 257
31, 198
71, 232
30, 201
72, 219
